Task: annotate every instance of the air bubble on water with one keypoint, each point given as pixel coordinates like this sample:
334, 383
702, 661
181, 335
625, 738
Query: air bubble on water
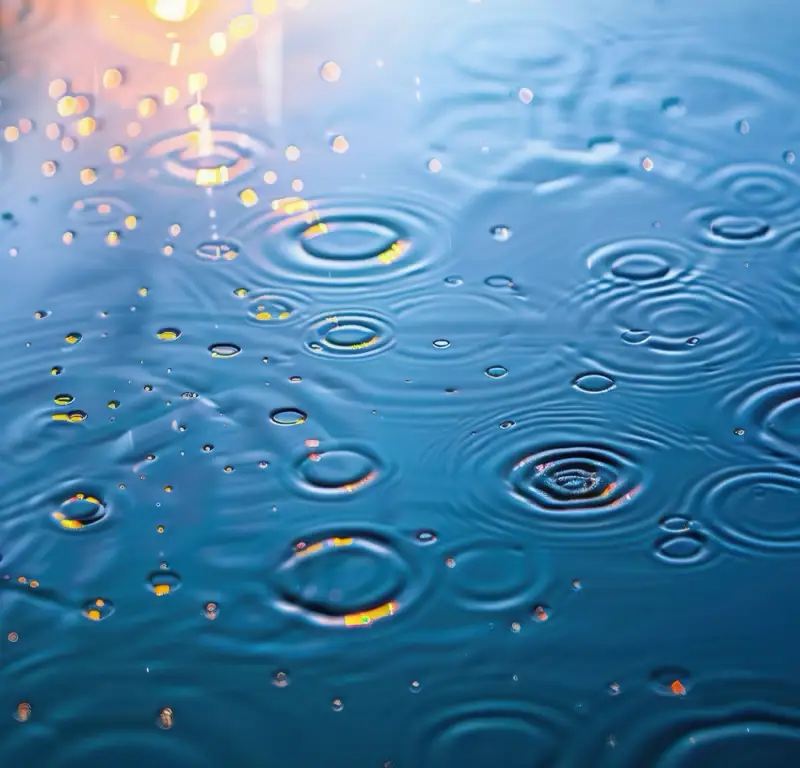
614, 689
647, 164
738, 432
496, 372
789, 157
337, 705
441, 343
507, 424
500, 233
415, 686
743, 127
426, 537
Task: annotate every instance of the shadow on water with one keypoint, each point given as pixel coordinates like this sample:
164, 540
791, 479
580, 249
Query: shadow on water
399, 385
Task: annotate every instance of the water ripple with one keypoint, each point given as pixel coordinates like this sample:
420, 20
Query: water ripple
725, 721
203, 159
594, 486
349, 334
353, 241
677, 337
750, 509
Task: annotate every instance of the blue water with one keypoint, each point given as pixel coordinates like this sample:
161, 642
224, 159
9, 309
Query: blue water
410, 385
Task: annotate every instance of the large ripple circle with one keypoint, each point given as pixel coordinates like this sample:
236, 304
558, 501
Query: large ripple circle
493, 721
559, 472
751, 509
762, 188
736, 722
349, 579
674, 337
369, 242
766, 405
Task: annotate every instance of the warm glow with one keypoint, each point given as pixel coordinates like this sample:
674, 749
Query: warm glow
173, 10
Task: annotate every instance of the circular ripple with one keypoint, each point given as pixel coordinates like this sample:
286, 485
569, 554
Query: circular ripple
494, 575
349, 242
690, 548
752, 510
582, 481
348, 580
767, 407
281, 308
764, 189
642, 261
494, 46
682, 335
496, 722
725, 229
334, 469
594, 487
350, 334
218, 250
195, 159
99, 212
732, 722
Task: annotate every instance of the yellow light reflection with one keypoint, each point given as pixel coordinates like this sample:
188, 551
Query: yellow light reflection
173, 10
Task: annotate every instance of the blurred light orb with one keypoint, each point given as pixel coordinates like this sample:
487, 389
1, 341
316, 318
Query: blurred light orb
173, 10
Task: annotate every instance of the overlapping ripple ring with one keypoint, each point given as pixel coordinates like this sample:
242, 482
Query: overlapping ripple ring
585, 489
766, 405
196, 159
745, 722
764, 189
686, 334
751, 509
634, 268
349, 334
348, 578
544, 48
355, 241
492, 721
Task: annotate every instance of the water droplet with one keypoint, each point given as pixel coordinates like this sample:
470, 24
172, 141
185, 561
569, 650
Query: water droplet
97, 609
330, 72
287, 417
441, 343
496, 372
224, 350
594, 383
280, 679
163, 582
501, 234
